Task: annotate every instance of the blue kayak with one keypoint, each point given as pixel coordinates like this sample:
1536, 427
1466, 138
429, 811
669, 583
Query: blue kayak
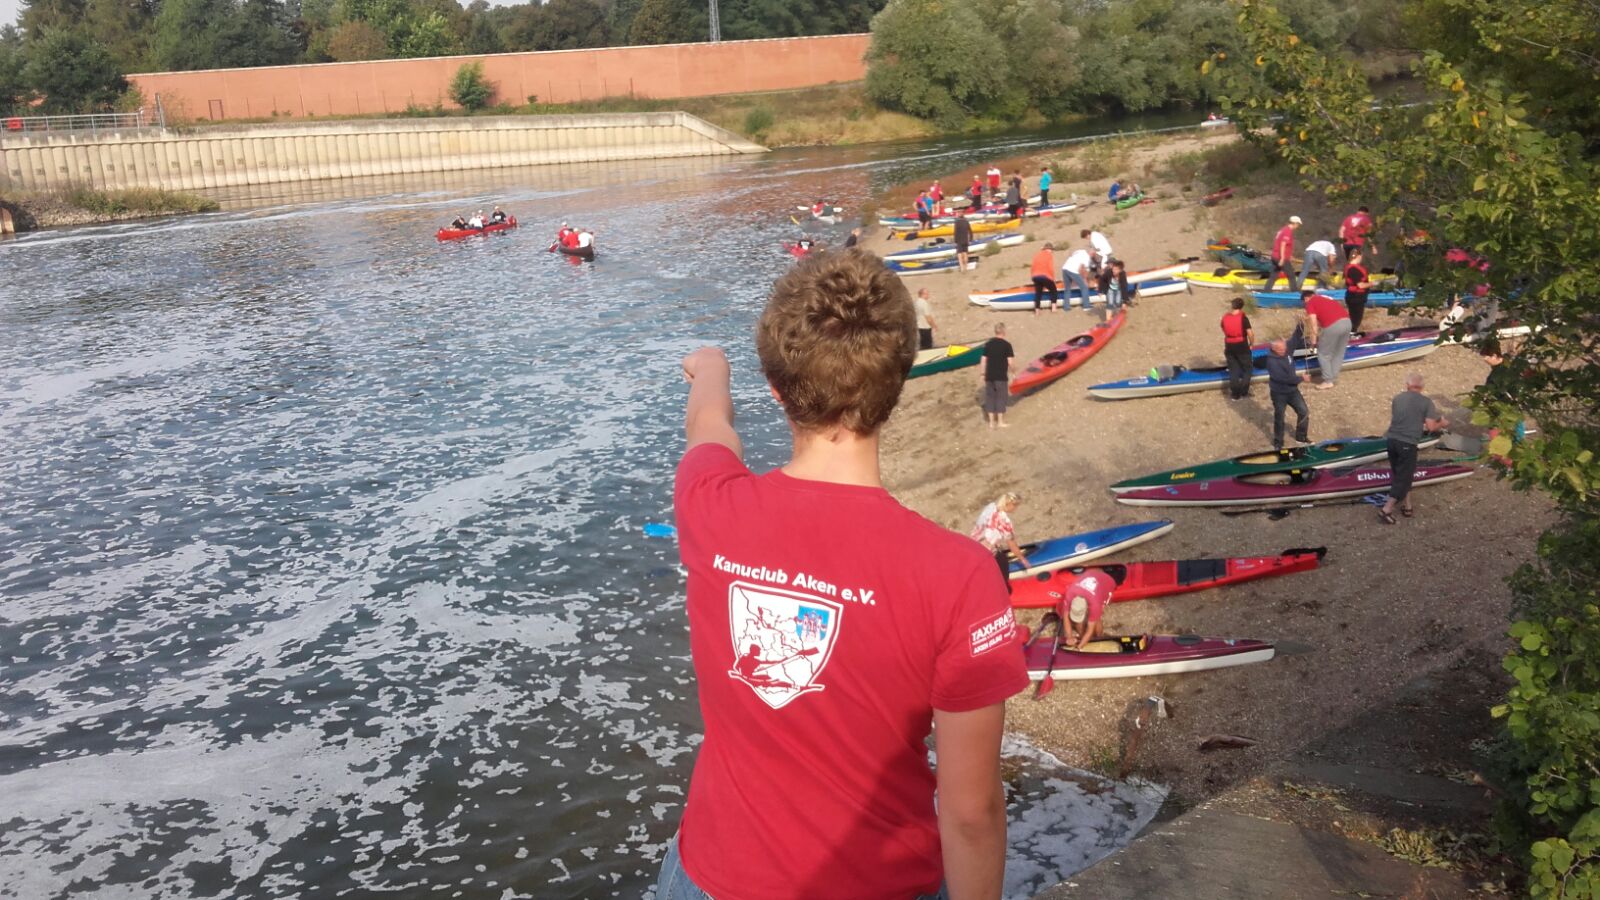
929, 267
1183, 380
1281, 299
1075, 549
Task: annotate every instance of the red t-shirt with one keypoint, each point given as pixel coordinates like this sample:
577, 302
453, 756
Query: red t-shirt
1356, 226
1326, 310
826, 623
1283, 244
1095, 587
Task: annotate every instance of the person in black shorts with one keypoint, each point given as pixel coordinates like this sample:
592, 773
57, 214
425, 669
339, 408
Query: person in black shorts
963, 238
997, 356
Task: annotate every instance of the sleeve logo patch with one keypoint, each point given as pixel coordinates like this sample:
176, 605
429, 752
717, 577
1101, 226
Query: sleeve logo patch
988, 634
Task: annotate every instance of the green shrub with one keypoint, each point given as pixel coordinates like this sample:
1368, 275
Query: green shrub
758, 120
470, 89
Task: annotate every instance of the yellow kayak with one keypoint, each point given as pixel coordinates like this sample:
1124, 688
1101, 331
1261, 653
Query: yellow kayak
1228, 279
949, 230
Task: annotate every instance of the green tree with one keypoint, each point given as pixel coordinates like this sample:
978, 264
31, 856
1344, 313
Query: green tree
1499, 161
429, 35
670, 22
1036, 31
71, 73
14, 92
356, 40
470, 89
216, 34
934, 59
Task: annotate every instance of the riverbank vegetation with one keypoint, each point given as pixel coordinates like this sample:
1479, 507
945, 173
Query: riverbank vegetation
1501, 160
83, 206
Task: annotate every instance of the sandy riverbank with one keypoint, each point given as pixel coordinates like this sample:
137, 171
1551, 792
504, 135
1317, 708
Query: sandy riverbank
1389, 605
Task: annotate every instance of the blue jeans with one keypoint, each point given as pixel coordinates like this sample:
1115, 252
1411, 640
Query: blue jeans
1071, 281
674, 883
1317, 264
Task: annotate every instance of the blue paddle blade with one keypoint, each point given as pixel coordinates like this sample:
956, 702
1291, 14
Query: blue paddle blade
657, 529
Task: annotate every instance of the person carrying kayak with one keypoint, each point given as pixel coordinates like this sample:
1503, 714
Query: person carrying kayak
1044, 276
1083, 606
497, 217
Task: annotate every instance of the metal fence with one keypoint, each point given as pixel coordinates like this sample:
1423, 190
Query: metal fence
93, 122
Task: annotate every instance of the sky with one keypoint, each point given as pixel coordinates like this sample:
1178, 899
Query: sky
8, 12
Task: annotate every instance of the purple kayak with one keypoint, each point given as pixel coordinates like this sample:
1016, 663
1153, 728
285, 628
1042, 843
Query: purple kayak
1147, 654
1293, 486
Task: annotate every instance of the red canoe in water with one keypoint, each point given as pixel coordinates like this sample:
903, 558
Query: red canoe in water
450, 234
1146, 654
1067, 356
1294, 486
1145, 580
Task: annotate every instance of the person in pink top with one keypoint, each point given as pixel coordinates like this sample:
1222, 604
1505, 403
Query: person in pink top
832, 630
1283, 256
1083, 605
1353, 232
1328, 328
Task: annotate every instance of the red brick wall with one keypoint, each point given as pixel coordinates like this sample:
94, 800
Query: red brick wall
663, 72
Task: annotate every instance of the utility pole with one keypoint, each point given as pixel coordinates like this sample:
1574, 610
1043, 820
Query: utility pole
716, 24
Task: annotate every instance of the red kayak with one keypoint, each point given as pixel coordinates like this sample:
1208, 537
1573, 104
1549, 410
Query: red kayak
1215, 197
1144, 580
450, 234
1145, 654
797, 249
1067, 356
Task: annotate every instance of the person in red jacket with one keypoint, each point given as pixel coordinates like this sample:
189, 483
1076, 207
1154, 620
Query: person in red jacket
1283, 256
1237, 339
975, 193
832, 630
1356, 287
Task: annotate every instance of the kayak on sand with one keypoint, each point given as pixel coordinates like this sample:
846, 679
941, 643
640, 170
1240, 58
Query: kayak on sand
1067, 356
943, 249
946, 359
1288, 299
1145, 654
1339, 452
1167, 578
1164, 273
930, 267
1141, 291
1184, 380
1074, 549
1297, 485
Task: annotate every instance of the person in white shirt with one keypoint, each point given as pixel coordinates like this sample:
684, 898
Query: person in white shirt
476, 221
1319, 258
1074, 275
585, 239
1102, 247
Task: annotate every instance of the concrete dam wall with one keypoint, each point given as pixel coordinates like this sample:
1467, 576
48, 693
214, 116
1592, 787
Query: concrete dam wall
230, 156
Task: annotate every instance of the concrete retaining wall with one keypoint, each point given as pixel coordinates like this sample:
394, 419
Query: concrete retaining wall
561, 76
230, 156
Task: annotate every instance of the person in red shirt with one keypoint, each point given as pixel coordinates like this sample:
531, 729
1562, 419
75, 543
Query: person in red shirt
936, 194
832, 629
1044, 277
1328, 327
1283, 256
1237, 338
975, 193
1083, 605
1354, 230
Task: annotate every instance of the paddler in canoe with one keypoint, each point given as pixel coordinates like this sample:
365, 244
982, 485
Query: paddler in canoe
459, 224
498, 217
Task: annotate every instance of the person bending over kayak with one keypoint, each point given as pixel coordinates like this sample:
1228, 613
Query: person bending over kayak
832, 630
1044, 277
1083, 605
997, 535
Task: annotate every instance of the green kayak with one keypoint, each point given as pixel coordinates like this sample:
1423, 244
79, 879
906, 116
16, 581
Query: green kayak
1128, 202
946, 359
1341, 452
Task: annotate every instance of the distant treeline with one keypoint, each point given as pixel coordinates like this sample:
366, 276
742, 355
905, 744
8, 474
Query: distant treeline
72, 54
1007, 59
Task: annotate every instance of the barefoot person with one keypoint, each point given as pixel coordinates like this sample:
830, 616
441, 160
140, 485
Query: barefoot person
1328, 327
1044, 277
997, 535
925, 323
962, 237
1410, 414
803, 582
996, 377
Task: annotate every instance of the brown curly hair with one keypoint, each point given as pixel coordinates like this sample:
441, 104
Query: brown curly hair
836, 340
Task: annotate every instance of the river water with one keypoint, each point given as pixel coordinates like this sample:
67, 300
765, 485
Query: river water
321, 558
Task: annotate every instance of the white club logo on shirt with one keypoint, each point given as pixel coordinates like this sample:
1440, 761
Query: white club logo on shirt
781, 640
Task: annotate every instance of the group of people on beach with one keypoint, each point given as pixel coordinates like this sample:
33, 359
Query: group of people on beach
478, 221
1093, 259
